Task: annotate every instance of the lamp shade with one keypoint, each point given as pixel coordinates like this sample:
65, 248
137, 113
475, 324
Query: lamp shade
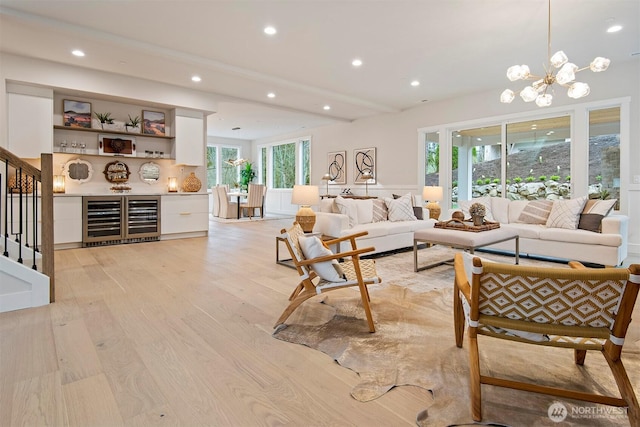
305, 195
432, 193
326, 177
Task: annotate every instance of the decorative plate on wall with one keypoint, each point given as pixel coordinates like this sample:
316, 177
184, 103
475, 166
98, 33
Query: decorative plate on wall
116, 172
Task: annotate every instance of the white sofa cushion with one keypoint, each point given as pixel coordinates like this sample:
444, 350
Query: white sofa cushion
580, 236
349, 208
500, 209
525, 231
566, 213
515, 209
365, 211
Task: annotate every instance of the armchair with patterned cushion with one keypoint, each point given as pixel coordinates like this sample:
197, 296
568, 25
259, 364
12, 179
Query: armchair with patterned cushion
576, 308
320, 270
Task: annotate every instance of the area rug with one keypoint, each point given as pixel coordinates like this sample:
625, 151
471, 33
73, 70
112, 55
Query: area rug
414, 345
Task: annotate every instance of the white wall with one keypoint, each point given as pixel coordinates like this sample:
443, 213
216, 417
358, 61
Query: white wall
396, 139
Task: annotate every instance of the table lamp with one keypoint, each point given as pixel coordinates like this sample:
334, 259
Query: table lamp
327, 177
305, 196
433, 195
58, 184
366, 176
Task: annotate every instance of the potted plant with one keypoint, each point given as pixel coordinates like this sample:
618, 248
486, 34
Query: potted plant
104, 118
477, 212
246, 175
133, 125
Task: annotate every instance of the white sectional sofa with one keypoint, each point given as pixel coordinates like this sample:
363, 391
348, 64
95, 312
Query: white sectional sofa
607, 245
385, 234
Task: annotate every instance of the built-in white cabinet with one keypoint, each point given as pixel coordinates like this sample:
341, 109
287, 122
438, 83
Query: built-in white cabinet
190, 142
184, 213
30, 121
67, 220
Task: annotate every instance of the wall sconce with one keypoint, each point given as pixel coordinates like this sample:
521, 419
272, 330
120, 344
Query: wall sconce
173, 184
327, 177
366, 176
58, 184
433, 195
305, 196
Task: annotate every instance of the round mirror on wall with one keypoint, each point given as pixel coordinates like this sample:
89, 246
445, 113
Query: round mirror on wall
149, 172
78, 170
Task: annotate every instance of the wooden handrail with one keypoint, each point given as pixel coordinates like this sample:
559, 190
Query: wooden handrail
45, 177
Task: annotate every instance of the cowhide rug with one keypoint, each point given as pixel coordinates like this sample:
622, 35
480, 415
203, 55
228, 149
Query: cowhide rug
414, 345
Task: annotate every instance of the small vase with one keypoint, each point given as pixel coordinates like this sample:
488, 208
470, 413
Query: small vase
191, 184
478, 220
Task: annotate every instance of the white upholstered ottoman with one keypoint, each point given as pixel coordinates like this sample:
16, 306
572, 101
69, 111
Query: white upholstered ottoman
461, 239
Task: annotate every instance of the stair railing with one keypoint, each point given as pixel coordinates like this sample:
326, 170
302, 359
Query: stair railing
26, 199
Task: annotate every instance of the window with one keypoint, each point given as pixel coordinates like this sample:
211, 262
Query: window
218, 170
212, 166
556, 154
284, 164
539, 159
604, 154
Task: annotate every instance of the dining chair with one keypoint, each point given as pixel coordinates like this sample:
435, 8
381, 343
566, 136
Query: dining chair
255, 200
215, 211
227, 209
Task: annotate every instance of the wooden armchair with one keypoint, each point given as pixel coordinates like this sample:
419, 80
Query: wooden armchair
356, 272
578, 308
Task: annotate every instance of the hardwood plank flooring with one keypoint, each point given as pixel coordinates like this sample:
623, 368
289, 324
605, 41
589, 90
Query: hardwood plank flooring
177, 333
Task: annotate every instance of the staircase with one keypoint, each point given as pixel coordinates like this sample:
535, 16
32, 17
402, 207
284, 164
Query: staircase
26, 232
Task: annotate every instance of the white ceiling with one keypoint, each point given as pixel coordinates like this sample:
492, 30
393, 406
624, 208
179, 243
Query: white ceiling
452, 47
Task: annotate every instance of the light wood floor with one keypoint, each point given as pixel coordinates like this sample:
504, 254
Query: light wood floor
177, 333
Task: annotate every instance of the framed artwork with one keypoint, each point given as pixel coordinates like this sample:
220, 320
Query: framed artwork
365, 161
337, 167
76, 114
153, 123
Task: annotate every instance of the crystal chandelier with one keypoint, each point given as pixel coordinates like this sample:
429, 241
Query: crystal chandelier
542, 87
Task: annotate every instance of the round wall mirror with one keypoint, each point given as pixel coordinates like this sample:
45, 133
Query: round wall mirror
149, 172
78, 170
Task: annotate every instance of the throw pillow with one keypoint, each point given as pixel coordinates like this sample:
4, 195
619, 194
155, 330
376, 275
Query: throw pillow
593, 212
312, 247
365, 210
400, 209
348, 207
486, 201
418, 213
566, 213
536, 212
380, 211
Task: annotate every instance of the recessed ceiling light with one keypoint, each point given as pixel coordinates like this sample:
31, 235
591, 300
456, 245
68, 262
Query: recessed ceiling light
196, 79
614, 28
77, 52
235, 128
415, 83
356, 62
270, 30
326, 107
271, 95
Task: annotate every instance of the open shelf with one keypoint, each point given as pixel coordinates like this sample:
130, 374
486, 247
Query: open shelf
113, 132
